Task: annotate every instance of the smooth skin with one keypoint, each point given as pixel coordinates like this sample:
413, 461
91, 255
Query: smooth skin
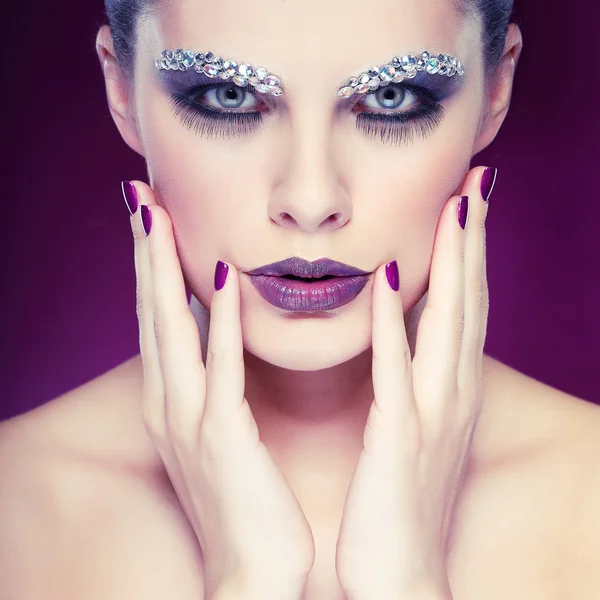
399, 504
253, 534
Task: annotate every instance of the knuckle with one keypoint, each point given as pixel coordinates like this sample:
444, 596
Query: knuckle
153, 422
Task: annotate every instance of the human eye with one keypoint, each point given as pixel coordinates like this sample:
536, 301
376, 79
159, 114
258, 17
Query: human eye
397, 113
218, 110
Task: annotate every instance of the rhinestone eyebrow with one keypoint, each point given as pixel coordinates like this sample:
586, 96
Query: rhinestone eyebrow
214, 66
399, 68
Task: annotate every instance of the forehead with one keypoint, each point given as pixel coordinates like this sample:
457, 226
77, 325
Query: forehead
323, 41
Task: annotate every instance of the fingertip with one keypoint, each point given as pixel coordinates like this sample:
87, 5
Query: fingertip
393, 275
221, 273
146, 216
130, 196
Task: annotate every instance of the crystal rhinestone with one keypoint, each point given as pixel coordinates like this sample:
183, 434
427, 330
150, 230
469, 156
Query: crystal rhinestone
245, 70
261, 73
168, 54
363, 78
224, 75
451, 71
254, 80
208, 57
240, 80
210, 71
387, 73
188, 59
383, 83
374, 83
353, 81
217, 62
179, 54
361, 88
442, 70
272, 81
409, 62
421, 64
261, 87
460, 70
346, 92
173, 64
230, 66
425, 55
399, 76
433, 65
276, 91
164, 63
199, 59
411, 74
373, 72
396, 62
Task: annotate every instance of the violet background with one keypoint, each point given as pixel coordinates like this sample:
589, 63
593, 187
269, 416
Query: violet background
68, 277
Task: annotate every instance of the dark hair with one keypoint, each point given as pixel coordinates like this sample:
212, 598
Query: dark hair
124, 17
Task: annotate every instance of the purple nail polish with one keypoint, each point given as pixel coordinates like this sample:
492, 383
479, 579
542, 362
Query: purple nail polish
487, 182
393, 277
221, 271
130, 195
463, 210
146, 219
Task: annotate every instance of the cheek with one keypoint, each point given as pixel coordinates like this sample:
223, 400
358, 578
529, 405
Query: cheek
206, 186
405, 189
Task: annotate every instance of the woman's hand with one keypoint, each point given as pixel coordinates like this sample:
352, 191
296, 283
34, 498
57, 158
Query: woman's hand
254, 537
417, 439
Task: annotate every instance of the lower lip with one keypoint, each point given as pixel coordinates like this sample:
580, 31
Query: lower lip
296, 295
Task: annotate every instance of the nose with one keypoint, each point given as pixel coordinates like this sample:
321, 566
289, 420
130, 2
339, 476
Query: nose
311, 196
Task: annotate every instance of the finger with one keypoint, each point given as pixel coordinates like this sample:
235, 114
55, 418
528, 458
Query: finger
392, 361
439, 335
153, 412
175, 330
475, 286
224, 357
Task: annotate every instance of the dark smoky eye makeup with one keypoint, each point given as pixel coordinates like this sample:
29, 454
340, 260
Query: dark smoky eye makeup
211, 122
389, 126
395, 127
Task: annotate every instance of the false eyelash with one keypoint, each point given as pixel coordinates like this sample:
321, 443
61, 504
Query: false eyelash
395, 129
401, 128
209, 123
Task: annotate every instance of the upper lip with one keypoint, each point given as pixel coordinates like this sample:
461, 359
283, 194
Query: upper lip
302, 268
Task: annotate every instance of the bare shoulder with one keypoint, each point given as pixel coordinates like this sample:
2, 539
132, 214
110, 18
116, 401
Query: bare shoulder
82, 498
541, 490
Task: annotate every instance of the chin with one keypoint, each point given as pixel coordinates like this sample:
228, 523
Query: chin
306, 342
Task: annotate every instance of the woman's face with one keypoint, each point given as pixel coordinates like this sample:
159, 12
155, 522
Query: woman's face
305, 181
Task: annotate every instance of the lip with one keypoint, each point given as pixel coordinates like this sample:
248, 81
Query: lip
302, 268
296, 295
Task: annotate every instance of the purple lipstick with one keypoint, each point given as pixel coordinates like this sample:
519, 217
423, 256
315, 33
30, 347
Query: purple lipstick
298, 285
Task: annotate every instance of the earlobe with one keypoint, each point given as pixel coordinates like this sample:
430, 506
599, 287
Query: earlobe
119, 90
499, 92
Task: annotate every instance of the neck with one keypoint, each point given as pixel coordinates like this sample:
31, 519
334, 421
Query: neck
299, 413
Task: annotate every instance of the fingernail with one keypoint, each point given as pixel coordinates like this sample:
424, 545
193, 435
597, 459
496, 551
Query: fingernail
487, 182
130, 195
393, 277
146, 219
463, 210
221, 271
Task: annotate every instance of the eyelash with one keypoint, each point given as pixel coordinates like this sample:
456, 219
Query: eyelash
393, 128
